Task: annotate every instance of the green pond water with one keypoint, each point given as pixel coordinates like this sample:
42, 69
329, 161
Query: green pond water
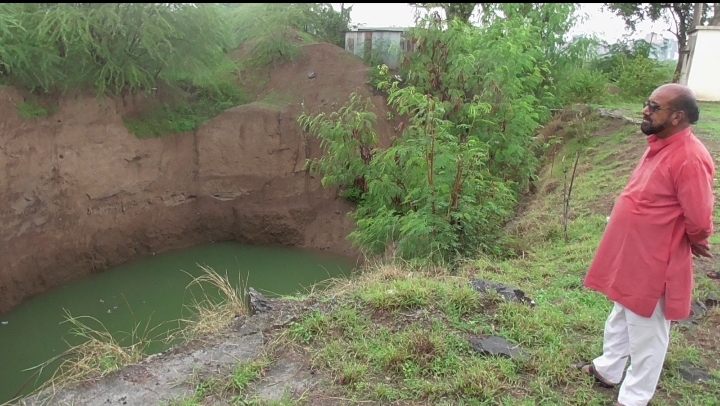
151, 292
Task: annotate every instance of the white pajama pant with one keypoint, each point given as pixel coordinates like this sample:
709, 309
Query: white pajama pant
645, 341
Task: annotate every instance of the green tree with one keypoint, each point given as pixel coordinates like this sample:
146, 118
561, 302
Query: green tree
680, 15
453, 11
448, 183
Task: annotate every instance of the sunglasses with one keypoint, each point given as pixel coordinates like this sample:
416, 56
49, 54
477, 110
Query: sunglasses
653, 107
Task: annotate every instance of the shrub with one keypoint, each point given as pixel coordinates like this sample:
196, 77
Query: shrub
450, 181
583, 86
110, 47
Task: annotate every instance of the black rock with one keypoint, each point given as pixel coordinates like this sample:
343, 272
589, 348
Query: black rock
712, 300
697, 310
496, 346
509, 293
694, 375
258, 302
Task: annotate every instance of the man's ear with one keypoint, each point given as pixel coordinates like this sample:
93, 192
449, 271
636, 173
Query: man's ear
678, 117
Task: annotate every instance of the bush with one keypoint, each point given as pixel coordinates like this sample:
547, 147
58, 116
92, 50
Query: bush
451, 180
638, 77
109, 47
631, 67
269, 29
583, 86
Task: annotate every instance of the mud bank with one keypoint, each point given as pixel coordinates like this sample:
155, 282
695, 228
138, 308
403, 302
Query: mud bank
79, 193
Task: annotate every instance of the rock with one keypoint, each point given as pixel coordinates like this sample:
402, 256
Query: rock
495, 346
311, 74
258, 302
619, 114
697, 310
712, 300
509, 293
694, 375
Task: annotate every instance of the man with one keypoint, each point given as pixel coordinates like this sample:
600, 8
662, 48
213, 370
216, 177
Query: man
644, 261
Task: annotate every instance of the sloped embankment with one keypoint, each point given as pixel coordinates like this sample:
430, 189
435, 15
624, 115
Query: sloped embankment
396, 335
79, 193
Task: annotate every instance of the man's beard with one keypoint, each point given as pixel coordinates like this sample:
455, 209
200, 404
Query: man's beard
648, 127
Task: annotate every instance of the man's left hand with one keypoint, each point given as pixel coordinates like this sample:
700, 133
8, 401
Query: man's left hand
701, 250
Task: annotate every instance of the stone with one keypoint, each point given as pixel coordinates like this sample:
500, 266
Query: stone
694, 375
697, 310
712, 300
509, 293
495, 346
258, 302
311, 74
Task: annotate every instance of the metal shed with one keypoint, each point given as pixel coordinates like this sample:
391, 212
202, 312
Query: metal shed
385, 43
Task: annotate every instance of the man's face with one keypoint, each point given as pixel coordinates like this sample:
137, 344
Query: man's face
657, 114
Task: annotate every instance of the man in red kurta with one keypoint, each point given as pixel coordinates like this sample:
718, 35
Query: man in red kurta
644, 261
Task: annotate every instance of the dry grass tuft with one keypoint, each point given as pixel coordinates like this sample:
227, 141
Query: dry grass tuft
211, 314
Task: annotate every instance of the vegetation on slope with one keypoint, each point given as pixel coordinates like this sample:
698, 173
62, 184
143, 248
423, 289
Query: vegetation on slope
474, 102
398, 334
181, 49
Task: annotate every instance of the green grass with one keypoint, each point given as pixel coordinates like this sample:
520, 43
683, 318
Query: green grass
233, 387
401, 336
709, 124
183, 117
28, 110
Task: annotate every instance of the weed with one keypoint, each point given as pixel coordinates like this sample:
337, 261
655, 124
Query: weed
98, 354
246, 373
211, 313
185, 116
28, 110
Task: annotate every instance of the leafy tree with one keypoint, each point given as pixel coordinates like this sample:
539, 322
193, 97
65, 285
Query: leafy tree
450, 181
326, 24
453, 11
681, 15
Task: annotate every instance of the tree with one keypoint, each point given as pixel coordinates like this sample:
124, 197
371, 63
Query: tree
681, 15
715, 20
453, 11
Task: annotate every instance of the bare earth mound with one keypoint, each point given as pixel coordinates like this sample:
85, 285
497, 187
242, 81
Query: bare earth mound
79, 193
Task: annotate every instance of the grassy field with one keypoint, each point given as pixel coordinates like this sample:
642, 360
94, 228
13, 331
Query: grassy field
396, 335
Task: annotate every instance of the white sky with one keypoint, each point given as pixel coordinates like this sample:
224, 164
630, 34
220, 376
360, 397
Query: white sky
603, 23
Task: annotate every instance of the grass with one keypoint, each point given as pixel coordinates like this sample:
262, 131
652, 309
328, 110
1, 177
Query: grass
400, 334
233, 387
98, 354
182, 117
707, 127
28, 110
194, 101
214, 310
397, 333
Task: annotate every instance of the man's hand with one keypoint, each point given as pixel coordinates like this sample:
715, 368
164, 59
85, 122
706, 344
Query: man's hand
701, 250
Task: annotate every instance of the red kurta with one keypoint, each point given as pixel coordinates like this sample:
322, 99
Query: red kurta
666, 206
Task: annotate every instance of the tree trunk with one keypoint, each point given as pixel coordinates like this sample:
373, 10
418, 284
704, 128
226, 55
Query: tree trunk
681, 39
679, 66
